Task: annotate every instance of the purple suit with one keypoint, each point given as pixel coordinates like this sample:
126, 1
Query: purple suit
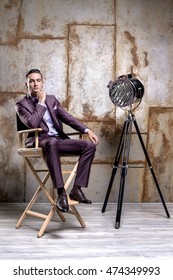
53, 147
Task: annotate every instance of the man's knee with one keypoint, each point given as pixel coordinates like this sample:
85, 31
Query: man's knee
90, 146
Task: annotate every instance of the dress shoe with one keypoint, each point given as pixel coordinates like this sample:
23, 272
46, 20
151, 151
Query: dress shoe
62, 203
77, 195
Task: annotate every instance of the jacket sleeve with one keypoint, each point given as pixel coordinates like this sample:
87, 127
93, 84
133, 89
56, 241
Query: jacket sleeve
31, 117
68, 119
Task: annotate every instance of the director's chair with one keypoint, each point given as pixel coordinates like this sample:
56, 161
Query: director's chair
30, 156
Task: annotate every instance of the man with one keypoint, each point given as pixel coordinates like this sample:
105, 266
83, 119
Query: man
37, 109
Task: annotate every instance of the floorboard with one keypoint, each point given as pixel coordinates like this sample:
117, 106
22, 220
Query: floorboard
145, 231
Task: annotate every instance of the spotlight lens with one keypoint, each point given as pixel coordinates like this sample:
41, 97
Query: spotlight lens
125, 91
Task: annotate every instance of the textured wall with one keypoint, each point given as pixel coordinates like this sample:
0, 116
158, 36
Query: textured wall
80, 45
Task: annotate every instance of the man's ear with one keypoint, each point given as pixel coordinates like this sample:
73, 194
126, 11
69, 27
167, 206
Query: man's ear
27, 86
27, 83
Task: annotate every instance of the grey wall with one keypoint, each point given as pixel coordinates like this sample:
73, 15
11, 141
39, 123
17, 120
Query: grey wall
80, 45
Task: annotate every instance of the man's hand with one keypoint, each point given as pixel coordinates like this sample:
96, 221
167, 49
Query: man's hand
41, 95
92, 137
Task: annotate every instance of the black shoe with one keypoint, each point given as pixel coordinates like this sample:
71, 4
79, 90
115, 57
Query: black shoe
62, 203
77, 195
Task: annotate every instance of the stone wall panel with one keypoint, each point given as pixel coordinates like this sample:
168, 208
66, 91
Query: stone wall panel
51, 18
161, 154
9, 16
12, 177
48, 56
91, 51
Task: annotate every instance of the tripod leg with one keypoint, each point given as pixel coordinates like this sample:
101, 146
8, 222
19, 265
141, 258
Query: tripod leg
150, 166
125, 159
115, 167
120, 198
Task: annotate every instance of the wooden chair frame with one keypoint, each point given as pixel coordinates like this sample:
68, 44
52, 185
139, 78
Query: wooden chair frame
36, 152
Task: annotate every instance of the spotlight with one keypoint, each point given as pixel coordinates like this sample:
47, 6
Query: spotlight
126, 91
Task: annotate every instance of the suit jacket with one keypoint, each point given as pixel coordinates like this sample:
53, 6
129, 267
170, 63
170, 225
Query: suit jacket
32, 116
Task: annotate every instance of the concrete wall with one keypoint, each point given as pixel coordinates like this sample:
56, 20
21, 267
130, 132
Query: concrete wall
80, 45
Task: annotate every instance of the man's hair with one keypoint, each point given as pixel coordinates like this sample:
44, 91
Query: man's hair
33, 71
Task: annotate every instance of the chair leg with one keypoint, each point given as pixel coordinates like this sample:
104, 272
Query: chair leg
72, 204
29, 206
70, 178
46, 222
78, 216
51, 199
60, 215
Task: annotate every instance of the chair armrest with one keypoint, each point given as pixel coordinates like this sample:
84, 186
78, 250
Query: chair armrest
29, 130
22, 136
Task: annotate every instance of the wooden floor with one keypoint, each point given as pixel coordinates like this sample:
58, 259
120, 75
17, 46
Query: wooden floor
145, 231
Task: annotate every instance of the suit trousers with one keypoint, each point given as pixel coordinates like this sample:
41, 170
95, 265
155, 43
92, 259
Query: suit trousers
55, 147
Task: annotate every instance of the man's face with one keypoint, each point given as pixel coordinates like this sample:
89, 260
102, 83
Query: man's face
34, 83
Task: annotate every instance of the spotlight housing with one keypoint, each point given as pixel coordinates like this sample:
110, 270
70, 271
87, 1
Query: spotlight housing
125, 91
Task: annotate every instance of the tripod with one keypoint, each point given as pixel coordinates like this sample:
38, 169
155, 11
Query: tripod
124, 149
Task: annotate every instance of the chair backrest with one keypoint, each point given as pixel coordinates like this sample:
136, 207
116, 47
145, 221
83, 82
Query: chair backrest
20, 125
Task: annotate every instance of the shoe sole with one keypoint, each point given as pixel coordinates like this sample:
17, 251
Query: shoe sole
62, 209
